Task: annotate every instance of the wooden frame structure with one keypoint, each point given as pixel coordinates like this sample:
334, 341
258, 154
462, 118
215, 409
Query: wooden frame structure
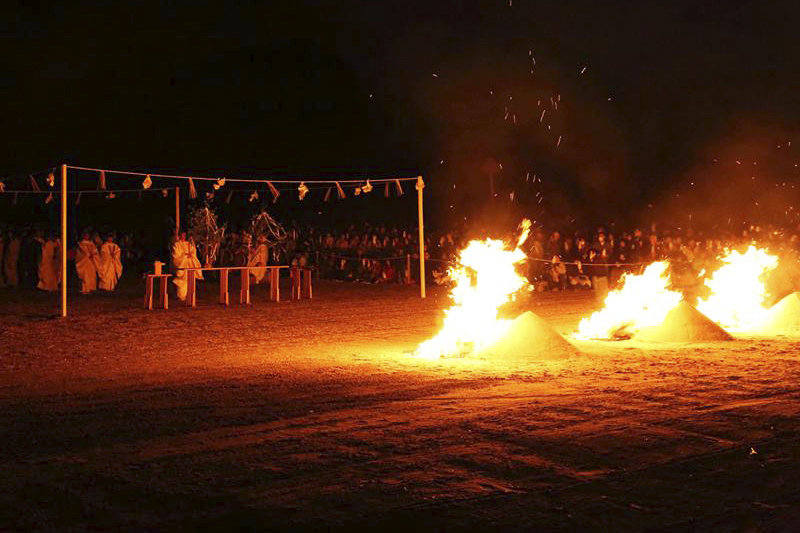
419, 185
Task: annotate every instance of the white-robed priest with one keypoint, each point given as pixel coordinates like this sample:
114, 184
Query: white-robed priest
184, 255
86, 262
49, 261
110, 264
258, 260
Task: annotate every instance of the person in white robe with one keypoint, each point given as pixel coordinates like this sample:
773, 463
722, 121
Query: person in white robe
11, 260
194, 262
258, 259
110, 264
48, 265
184, 255
86, 260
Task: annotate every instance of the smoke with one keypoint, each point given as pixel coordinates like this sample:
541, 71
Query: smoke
747, 176
508, 143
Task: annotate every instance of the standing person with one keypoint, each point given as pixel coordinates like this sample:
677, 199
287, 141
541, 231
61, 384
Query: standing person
180, 255
258, 259
11, 260
194, 262
86, 260
110, 264
184, 255
48, 265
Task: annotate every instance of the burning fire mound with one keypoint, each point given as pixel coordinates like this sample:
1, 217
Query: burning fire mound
530, 338
485, 279
684, 323
784, 316
645, 308
738, 294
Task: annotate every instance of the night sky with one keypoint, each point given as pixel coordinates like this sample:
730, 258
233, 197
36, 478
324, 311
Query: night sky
645, 97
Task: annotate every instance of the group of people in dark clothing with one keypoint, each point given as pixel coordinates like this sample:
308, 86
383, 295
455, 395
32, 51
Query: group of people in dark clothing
557, 260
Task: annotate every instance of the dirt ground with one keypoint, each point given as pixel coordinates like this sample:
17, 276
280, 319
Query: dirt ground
313, 415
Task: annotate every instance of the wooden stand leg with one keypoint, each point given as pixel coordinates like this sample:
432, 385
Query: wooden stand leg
224, 298
309, 290
275, 284
191, 298
244, 290
163, 295
148, 293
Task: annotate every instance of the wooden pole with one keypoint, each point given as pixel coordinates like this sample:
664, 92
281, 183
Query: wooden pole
420, 186
177, 211
63, 240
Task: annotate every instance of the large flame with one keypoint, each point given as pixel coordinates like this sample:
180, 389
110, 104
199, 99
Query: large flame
485, 278
738, 294
643, 301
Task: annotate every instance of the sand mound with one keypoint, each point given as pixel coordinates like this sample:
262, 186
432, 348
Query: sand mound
684, 324
531, 338
785, 315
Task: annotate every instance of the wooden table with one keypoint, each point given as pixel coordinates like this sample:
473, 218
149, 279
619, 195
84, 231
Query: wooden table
301, 283
163, 295
244, 287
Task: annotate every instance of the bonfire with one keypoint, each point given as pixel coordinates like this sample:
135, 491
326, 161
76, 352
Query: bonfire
484, 278
738, 295
642, 301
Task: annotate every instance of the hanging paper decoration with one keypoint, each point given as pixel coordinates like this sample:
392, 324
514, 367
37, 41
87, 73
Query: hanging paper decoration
34, 185
147, 182
367, 188
254, 196
275, 192
220, 183
78, 198
340, 191
49, 198
303, 190
51, 179
111, 195
228, 198
399, 187
164, 192
327, 194
101, 181
2, 187
209, 195
357, 190
192, 190
386, 190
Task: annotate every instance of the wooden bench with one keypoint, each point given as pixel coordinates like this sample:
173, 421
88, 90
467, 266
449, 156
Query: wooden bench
163, 295
301, 283
244, 286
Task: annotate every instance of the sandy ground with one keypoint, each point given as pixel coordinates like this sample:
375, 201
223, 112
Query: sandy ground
313, 415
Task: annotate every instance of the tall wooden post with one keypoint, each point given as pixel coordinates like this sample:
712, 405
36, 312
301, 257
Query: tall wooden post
63, 240
420, 186
177, 211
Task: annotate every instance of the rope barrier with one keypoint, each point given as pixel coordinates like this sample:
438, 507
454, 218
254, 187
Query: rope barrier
362, 258
583, 263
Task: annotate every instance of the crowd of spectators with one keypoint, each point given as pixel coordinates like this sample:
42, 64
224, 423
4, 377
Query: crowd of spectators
557, 260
